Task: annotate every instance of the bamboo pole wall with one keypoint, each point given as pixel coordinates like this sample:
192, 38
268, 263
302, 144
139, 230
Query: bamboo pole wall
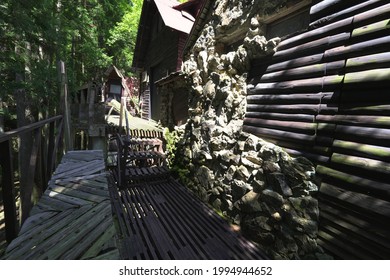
326, 95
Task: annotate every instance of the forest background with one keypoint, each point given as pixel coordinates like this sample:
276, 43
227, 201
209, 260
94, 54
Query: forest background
88, 35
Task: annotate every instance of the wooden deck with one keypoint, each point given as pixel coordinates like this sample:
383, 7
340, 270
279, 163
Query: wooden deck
73, 219
164, 220
83, 214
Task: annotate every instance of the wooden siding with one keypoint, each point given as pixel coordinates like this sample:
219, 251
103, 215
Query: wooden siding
325, 95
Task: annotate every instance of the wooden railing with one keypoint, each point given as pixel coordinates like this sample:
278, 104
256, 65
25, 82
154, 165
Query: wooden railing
46, 137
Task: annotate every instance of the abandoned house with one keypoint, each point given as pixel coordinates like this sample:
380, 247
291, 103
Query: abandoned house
163, 31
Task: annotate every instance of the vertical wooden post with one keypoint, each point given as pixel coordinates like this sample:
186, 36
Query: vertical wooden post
11, 221
50, 151
65, 106
121, 115
26, 192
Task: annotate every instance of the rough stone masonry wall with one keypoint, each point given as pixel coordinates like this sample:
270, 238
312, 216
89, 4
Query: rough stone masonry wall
253, 182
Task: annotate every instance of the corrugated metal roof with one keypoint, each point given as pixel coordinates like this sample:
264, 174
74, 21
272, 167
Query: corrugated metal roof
172, 17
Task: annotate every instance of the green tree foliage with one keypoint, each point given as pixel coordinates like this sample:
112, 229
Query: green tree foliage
88, 35
123, 37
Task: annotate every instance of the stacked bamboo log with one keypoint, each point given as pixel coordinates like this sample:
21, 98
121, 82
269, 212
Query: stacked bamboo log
325, 95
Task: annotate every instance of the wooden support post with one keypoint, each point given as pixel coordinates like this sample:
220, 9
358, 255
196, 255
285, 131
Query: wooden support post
65, 104
50, 151
26, 192
121, 114
11, 221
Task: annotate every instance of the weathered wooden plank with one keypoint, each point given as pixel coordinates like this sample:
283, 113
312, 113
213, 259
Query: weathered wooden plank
176, 227
100, 234
373, 121
77, 230
375, 243
372, 30
377, 60
364, 164
110, 255
67, 198
280, 116
349, 243
327, 7
341, 26
377, 187
327, 83
373, 77
347, 12
295, 62
304, 72
312, 47
217, 229
299, 127
374, 15
366, 135
295, 98
377, 45
136, 215
358, 149
73, 170
36, 221
279, 134
366, 109
26, 243
311, 109
377, 228
360, 201
79, 193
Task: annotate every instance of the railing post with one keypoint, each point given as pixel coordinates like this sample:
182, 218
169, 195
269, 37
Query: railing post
11, 220
27, 190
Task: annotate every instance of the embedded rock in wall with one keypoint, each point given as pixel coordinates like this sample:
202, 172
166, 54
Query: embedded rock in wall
255, 183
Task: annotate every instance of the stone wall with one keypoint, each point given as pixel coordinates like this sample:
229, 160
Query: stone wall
254, 183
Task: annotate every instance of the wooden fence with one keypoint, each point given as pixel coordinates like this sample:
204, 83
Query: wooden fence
325, 95
46, 137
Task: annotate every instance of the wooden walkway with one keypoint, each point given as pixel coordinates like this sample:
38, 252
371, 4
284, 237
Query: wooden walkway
83, 214
73, 219
164, 220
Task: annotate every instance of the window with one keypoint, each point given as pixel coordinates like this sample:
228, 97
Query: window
288, 25
116, 89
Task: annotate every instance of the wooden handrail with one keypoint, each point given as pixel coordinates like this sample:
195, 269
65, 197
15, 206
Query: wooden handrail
44, 151
27, 128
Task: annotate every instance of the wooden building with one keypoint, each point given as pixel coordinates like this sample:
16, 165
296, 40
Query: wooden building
115, 85
325, 95
162, 34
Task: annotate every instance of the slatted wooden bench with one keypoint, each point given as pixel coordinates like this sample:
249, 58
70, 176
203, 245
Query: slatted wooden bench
164, 220
73, 219
134, 153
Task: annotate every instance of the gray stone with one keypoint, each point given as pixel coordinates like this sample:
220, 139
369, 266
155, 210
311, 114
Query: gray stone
205, 177
231, 172
258, 185
251, 143
233, 129
271, 167
217, 144
273, 198
209, 89
249, 203
278, 183
243, 172
253, 157
249, 164
269, 152
217, 203
239, 189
